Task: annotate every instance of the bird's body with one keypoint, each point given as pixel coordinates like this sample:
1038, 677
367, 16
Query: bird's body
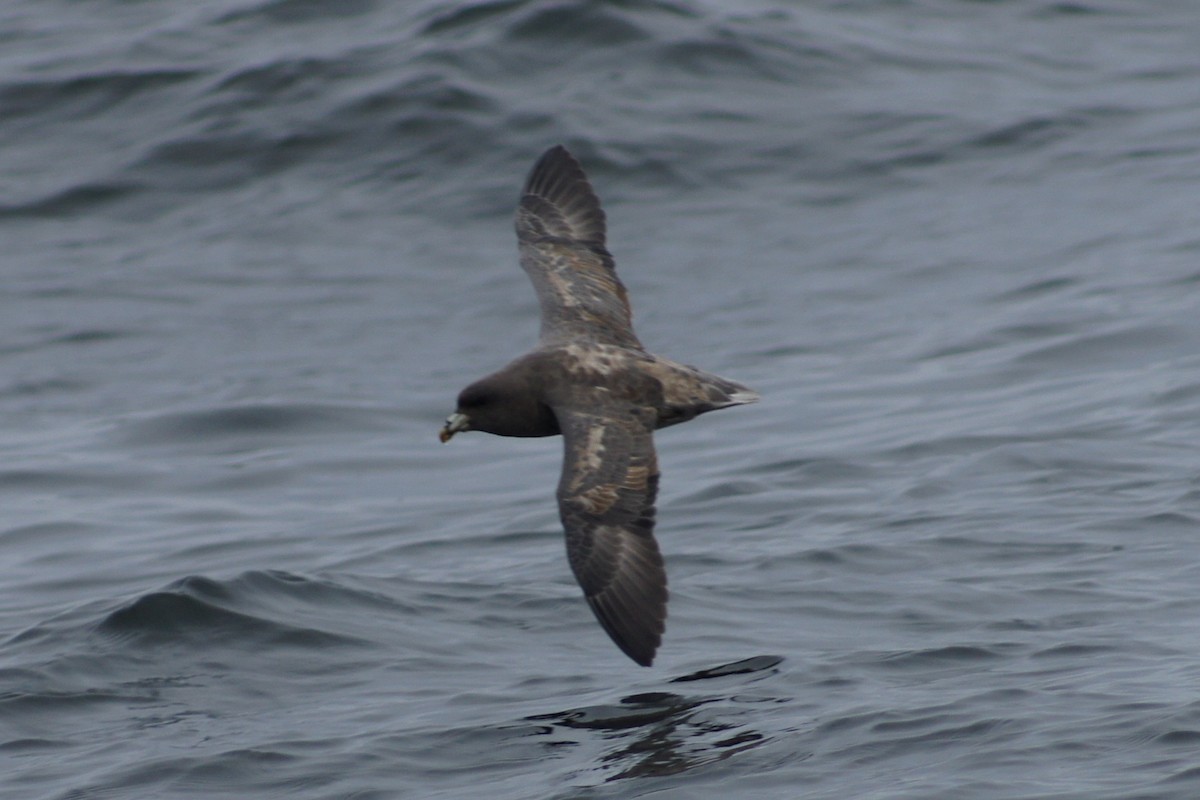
591, 381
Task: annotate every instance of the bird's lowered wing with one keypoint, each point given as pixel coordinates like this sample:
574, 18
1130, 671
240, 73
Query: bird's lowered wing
606, 500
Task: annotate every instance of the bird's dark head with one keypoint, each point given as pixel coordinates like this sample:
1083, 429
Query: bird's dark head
501, 404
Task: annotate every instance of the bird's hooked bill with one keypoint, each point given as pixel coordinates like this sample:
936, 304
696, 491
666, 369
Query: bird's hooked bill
454, 423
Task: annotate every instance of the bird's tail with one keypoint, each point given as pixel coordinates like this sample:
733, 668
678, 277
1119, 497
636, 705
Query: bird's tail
689, 392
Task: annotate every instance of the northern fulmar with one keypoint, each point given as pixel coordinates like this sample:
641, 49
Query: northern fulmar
590, 379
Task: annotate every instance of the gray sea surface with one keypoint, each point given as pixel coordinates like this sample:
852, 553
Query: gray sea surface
250, 250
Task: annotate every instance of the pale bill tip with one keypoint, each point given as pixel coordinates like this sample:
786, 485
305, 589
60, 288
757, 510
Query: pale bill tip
454, 423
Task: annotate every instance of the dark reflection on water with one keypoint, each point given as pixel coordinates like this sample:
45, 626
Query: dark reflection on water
743, 667
663, 733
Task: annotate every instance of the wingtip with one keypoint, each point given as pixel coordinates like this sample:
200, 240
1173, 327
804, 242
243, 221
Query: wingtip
558, 199
636, 630
553, 159
556, 163
560, 151
637, 636
641, 656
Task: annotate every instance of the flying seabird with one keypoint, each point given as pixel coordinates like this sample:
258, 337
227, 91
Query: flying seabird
590, 380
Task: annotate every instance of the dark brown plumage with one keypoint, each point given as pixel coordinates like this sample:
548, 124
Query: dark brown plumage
590, 380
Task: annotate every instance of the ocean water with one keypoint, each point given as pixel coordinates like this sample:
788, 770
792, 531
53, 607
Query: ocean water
252, 249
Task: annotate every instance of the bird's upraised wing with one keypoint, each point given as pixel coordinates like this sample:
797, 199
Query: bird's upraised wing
561, 235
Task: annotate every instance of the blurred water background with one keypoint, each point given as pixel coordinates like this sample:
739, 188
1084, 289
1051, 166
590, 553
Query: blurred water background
252, 249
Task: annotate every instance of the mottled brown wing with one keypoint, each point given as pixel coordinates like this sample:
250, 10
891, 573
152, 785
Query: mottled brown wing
560, 231
606, 499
